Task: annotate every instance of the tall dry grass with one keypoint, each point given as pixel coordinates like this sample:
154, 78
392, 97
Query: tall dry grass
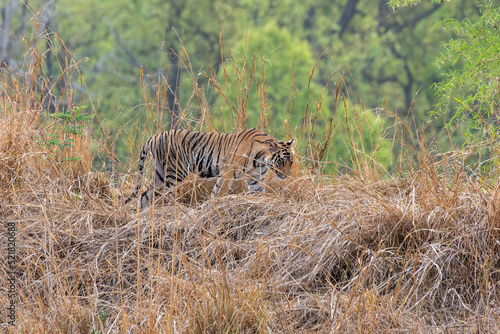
364, 252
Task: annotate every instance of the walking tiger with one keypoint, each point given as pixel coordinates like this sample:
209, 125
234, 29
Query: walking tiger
247, 154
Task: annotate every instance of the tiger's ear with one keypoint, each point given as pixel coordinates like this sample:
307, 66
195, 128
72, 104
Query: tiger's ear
290, 142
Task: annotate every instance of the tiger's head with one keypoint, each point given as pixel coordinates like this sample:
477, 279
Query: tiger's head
282, 157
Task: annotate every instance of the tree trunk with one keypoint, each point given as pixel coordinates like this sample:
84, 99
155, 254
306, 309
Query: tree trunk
349, 11
173, 80
7, 13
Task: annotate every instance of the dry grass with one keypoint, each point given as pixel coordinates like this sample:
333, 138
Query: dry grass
359, 253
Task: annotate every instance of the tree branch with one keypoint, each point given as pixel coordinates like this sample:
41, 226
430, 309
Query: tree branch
125, 48
413, 21
349, 11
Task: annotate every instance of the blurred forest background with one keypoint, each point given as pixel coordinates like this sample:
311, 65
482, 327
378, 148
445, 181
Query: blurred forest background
392, 63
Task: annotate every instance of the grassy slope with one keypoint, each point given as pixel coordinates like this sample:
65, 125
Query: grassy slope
420, 253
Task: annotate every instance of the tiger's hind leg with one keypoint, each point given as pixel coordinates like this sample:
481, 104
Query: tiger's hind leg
148, 195
156, 188
160, 184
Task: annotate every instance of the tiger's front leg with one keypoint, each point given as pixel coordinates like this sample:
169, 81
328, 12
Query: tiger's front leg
255, 185
255, 180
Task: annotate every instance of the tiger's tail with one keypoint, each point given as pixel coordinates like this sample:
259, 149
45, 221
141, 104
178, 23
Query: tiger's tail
144, 152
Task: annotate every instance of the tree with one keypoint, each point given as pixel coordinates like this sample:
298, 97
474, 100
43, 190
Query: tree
14, 15
472, 87
472, 59
283, 65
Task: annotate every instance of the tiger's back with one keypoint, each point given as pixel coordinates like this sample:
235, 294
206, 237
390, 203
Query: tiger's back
178, 153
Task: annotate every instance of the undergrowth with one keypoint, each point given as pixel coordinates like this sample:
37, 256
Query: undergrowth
412, 249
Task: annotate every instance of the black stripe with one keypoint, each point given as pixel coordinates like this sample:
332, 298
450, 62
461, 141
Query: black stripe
245, 134
162, 180
224, 142
176, 178
194, 136
202, 137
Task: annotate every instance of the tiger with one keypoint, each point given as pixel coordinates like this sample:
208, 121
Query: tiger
248, 155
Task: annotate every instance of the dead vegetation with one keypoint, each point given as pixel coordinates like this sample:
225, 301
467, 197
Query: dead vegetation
353, 253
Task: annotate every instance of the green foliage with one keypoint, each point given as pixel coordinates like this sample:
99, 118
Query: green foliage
470, 93
471, 88
404, 3
103, 316
68, 123
281, 65
358, 141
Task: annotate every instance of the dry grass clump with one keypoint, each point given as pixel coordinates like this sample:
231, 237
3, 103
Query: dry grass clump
37, 155
346, 258
195, 190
